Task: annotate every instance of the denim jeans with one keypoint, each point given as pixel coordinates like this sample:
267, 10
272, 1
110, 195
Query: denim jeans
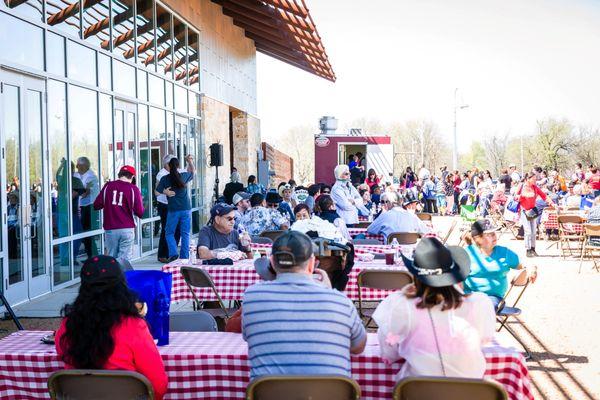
119, 242
529, 229
182, 218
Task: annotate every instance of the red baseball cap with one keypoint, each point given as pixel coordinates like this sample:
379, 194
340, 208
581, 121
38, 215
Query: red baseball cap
128, 168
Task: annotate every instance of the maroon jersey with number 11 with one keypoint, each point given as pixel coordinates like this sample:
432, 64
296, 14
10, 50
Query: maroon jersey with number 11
120, 201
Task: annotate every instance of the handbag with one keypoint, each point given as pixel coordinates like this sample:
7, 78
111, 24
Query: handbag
512, 205
532, 213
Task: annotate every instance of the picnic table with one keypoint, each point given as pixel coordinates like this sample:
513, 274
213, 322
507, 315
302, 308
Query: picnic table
214, 365
232, 280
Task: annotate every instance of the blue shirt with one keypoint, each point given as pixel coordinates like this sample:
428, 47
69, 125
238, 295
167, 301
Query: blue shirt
294, 326
181, 200
488, 273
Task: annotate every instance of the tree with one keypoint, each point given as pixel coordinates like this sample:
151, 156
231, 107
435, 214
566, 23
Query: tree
293, 143
552, 143
475, 157
495, 152
587, 146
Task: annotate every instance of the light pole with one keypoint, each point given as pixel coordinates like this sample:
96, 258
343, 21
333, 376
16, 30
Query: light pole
454, 144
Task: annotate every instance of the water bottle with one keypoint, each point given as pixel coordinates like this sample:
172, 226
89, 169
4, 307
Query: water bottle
244, 236
193, 256
162, 319
255, 254
396, 247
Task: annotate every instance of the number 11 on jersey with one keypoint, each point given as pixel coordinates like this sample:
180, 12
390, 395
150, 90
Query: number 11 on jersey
114, 201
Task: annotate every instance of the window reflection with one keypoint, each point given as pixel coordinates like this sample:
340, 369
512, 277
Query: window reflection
124, 78
26, 8
55, 54
14, 34
83, 131
104, 71
145, 32
163, 40
181, 101
192, 50
123, 32
59, 172
63, 15
142, 84
61, 263
179, 64
106, 138
157, 146
96, 22
145, 173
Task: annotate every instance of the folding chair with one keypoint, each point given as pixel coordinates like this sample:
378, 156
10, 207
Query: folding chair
504, 312
379, 279
447, 236
91, 384
192, 321
198, 278
260, 239
424, 216
403, 237
468, 215
591, 244
436, 388
314, 387
366, 241
363, 224
567, 233
273, 235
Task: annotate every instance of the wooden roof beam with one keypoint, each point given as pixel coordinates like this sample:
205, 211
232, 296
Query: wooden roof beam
14, 3
252, 24
291, 7
295, 63
144, 47
117, 20
70, 11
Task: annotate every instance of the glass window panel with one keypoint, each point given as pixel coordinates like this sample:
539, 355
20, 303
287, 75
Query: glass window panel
145, 32
11, 122
195, 222
169, 94
31, 9
171, 148
131, 148
163, 40
61, 261
179, 65
104, 71
156, 234
181, 101
14, 34
145, 176
194, 103
123, 32
83, 131
55, 54
96, 23
142, 85
156, 90
119, 130
147, 237
124, 78
95, 243
157, 146
192, 50
81, 63
68, 21
59, 169
106, 139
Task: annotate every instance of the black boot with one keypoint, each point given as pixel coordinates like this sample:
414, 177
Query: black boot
534, 254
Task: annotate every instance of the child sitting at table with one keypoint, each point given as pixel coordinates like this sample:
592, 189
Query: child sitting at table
103, 329
436, 328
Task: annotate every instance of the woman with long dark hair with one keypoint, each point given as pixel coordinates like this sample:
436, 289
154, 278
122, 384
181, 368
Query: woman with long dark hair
174, 185
103, 329
436, 328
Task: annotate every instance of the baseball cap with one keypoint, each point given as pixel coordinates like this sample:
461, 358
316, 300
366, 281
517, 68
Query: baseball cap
292, 248
239, 196
101, 271
220, 209
168, 158
482, 226
128, 168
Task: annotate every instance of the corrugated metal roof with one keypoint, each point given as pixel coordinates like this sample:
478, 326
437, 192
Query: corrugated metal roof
282, 29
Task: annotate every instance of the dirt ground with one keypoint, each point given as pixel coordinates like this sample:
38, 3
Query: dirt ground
560, 323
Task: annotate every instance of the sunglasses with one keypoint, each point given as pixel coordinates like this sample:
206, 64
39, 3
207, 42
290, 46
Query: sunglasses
229, 219
272, 205
325, 192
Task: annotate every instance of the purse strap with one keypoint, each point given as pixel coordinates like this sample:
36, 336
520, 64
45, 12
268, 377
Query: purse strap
437, 344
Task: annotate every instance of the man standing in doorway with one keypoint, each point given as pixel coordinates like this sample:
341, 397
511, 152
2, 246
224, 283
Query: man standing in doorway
120, 200
86, 200
163, 209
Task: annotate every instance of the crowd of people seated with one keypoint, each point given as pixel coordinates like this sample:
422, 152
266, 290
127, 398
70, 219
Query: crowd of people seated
293, 320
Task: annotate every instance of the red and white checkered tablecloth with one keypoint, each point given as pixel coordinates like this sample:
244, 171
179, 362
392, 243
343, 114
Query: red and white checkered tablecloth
232, 280
358, 231
550, 221
209, 365
358, 248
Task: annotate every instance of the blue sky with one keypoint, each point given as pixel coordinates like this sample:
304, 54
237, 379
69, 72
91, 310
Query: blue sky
513, 61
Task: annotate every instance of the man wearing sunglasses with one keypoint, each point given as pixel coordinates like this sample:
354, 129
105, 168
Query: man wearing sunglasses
219, 233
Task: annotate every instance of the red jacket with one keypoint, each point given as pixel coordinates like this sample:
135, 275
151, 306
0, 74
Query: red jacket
120, 201
528, 194
134, 351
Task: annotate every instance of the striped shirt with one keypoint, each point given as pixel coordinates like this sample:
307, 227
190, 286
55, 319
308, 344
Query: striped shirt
295, 326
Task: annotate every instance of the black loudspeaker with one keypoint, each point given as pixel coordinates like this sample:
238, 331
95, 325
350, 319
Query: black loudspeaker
216, 155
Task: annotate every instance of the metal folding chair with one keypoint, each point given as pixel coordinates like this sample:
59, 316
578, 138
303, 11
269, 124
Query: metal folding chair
504, 312
379, 279
91, 384
591, 244
436, 388
196, 277
273, 235
366, 241
314, 387
262, 240
567, 234
403, 237
192, 321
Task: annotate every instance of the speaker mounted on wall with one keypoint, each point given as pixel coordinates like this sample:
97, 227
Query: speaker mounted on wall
216, 155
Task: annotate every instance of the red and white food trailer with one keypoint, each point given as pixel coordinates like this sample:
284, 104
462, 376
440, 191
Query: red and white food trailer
334, 149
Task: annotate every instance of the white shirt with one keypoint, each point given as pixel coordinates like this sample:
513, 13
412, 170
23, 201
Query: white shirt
406, 331
161, 198
397, 220
341, 193
90, 182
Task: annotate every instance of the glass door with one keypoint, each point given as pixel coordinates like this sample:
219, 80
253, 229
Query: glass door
125, 117
23, 189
